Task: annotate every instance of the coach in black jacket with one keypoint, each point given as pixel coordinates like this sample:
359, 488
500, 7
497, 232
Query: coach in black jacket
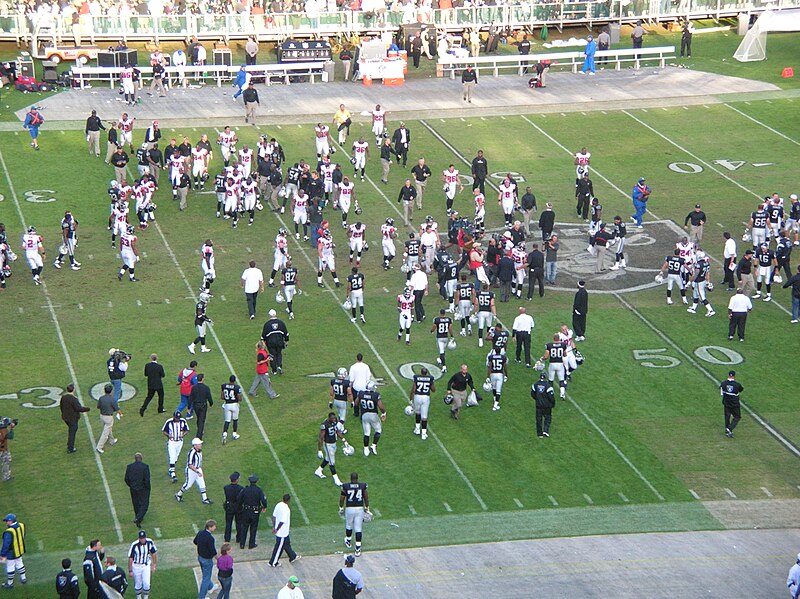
199, 401
401, 140
276, 336
137, 477
535, 271
154, 372
580, 306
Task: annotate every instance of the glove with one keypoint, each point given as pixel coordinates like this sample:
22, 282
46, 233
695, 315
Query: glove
341, 511
505, 379
330, 404
319, 454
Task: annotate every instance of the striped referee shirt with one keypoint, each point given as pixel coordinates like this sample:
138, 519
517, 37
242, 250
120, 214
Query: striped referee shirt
140, 552
175, 429
195, 459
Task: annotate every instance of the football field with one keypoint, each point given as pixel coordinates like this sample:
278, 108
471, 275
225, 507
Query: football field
637, 446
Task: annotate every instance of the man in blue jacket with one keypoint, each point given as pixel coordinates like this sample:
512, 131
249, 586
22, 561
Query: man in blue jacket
240, 82
588, 62
640, 195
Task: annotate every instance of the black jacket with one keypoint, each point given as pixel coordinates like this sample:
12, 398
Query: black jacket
250, 95
505, 269
116, 579
252, 499
232, 491
275, 333
547, 220
535, 260
542, 393
480, 168
154, 373
199, 396
93, 123
794, 283
137, 476
581, 302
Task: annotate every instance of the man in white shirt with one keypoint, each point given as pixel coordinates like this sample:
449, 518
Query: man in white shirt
738, 308
252, 283
521, 329
729, 253
291, 590
359, 375
419, 283
281, 522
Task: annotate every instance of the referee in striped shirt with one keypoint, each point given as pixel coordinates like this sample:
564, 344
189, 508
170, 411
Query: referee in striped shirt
141, 562
174, 429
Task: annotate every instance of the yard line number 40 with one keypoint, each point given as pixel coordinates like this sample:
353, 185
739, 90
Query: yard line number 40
713, 354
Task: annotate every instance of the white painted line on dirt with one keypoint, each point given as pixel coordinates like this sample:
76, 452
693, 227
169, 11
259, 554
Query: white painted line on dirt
68, 359
693, 494
766, 492
247, 401
588, 499
729, 492
447, 507
766, 425
552, 500
391, 374
624, 499
518, 502
767, 127
412, 510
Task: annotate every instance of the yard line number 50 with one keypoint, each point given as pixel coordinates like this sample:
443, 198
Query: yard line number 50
713, 354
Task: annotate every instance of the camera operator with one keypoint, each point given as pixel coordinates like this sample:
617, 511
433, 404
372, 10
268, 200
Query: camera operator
6, 434
117, 367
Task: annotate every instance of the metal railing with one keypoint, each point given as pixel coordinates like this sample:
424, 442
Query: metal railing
276, 27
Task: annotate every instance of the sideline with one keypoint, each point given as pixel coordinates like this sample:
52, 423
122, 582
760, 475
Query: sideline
68, 359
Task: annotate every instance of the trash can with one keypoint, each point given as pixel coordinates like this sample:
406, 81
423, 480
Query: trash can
744, 24
613, 32
328, 70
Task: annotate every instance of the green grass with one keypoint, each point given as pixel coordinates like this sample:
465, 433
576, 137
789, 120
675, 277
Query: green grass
666, 422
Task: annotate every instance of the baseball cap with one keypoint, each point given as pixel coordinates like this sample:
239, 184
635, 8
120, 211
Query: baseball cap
197, 441
793, 196
155, 122
732, 373
641, 179
294, 579
10, 518
252, 478
142, 534
273, 313
350, 559
581, 283
697, 205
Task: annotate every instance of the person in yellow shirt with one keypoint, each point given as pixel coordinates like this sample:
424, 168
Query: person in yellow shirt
342, 120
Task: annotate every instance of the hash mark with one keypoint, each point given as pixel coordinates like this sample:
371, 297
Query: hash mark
138, 302
766, 492
386, 290
40, 545
278, 126
695, 495
518, 502
80, 306
502, 117
729, 492
624, 499
157, 532
552, 500
588, 499
194, 526
91, 256
144, 254
249, 251
685, 107
664, 109
720, 225
483, 118
166, 300
110, 305
447, 507
583, 113
80, 540
563, 114
21, 310
412, 510
442, 120
376, 512
463, 120
222, 297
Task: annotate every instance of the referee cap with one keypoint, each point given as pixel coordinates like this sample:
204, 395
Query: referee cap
732, 373
10, 518
177, 414
142, 534
252, 478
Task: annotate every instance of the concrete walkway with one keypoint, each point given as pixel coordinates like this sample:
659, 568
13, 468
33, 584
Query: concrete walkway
747, 563
508, 94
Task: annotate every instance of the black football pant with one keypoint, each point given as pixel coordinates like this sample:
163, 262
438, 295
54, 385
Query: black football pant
150, 394
419, 309
733, 414
537, 274
524, 341
579, 324
277, 357
543, 418
141, 502
737, 323
200, 414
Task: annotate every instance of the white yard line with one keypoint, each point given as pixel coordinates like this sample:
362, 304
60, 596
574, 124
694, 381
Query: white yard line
228, 363
767, 127
766, 425
68, 359
390, 373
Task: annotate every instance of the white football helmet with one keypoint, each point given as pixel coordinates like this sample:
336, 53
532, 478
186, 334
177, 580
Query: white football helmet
710, 285
204, 297
776, 279
279, 298
409, 410
659, 278
473, 319
347, 305
371, 385
404, 267
348, 449
367, 517
539, 365
451, 345
487, 385
747, 236
341, 373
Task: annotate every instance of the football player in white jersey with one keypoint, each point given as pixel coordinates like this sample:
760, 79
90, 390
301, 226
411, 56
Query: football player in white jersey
356, 233
378, 123
581, 162
388, 235
207, 263
300, 214
360, 155
128, 85
34, 252
327, 260
246, 160
232, 198
129, 254
451, 182
345, 194
145, 208
520, 257
125, 128
281, 254
507, 200
686, 250
119, 221
430, 243
69, 238
326, 168
566, 336
177, 166
200, 159
480, 211
227, 144
322, 139
405, 301
250, 196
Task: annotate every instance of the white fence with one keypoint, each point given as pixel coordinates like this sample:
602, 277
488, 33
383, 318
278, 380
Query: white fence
571, 60
270, 27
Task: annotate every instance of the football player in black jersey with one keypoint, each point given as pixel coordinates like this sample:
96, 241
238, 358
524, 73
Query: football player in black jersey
329, 431
485, 310
765, 258
219, 188
231, 397
290, 283
730, 390
353, 502
542, 393
200, 321
355, 293
700, 284
673, 268
555, 353
465, 293
341, 396
443, 327
370, 407
499, 338
783, 253
422, 386
620, 231
496, 373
